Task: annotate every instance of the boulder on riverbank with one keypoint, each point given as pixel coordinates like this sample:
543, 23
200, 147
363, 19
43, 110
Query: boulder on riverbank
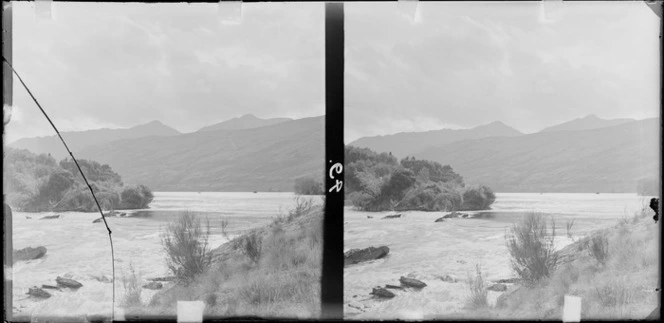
38, 293
69, 283
355, 256
382, 292
29, 253
412, 282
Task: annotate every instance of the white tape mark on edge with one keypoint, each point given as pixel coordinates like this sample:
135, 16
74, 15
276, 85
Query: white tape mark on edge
572, 309
44, 9
190, 312
408, 8
230, 12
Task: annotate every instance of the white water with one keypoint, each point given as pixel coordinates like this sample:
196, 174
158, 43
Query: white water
425, 250
80, 249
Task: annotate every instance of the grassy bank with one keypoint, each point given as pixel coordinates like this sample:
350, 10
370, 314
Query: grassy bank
613, 270
272, 271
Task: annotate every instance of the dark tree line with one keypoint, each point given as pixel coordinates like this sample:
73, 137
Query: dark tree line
379, 182
37, 183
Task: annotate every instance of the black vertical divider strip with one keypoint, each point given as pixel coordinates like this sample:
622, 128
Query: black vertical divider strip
332, 275
7, 99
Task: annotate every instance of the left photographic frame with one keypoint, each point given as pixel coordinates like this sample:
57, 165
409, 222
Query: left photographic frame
199, 127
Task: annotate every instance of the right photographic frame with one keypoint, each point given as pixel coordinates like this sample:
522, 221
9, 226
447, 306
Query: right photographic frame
502, 160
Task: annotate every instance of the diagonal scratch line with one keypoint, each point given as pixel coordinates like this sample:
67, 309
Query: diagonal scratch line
80, 170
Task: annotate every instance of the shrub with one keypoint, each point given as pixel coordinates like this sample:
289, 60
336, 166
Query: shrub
308, 186
132, 288
568, 227
302, 206
478, 291
531, 248
186, 246
252, 247
478, 198
598, 247
136, 197
224, 225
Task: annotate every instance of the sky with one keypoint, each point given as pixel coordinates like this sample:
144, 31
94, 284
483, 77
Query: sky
461, 65
117, 65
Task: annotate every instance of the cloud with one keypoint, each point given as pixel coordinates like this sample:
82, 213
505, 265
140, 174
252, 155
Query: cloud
469, 64
129, 63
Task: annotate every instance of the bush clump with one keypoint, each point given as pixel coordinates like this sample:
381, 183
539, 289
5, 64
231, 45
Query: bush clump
531, 248
308, 186
598, 248
37, 183
378, 182
185, 242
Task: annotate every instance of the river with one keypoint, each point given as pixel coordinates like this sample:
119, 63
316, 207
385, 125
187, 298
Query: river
80, 249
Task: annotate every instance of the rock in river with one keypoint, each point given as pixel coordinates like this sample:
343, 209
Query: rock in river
98, 220
38, 292
50, 287
449, 279
393, 216
29, 253
69, 283
412, 282
382, 292
393, 286
498, 288
153, 285
354, 256
440, 219
57, 216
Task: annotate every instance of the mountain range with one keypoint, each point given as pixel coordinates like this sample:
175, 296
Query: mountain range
404, 144
251, 154
586, 123
79, 140
583, 155
246, 121
267, 158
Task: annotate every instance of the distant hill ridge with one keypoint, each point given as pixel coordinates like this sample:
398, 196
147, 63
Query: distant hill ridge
246, 121
406, 143
586, 123
79, 140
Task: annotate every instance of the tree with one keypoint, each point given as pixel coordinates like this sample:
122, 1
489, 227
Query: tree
308, 186
136, 197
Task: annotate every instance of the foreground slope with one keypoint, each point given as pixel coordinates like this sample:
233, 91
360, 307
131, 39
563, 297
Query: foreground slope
284, 282
609, 159
259, 159
79, 140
